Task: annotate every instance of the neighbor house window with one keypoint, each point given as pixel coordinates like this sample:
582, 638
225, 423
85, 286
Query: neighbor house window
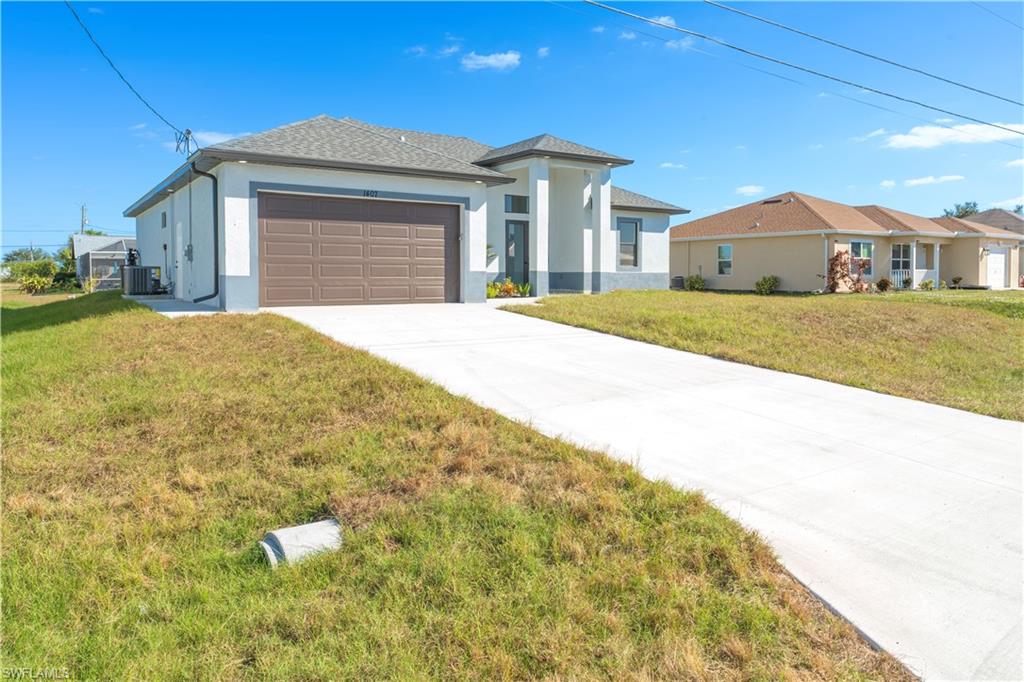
517, 203
860, 257
163, 219
629, 236
725, 259
900, 256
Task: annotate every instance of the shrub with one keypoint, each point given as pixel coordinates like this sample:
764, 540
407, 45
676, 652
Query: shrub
34, 284
846, 273
908, 282
942, 284
695, 283
506, 289
926, 285
767, 285
524, 289
89, 285
493, 289
956, 282
884, 284
26, 268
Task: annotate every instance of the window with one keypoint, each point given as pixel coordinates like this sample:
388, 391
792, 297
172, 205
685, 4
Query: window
900, 257
629, 232
861, 254
163, 219
725, 259
517, 203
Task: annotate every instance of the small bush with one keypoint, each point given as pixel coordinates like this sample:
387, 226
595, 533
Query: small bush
89, 285
884, 284
695, 283
34, 284
926, 285
908, 282
26, 268
507, 289
64, 278
956, 282
767, 285
942, 284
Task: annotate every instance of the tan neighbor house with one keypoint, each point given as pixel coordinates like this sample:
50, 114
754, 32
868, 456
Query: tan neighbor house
792, 236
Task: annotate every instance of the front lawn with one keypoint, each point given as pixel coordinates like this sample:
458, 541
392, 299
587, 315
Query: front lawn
957, 348
143, 458
12, 297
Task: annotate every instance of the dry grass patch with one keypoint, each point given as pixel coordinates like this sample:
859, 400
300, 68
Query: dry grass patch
957, 348
141, 468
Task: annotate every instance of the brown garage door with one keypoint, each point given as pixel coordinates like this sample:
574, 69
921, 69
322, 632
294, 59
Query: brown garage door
328, 251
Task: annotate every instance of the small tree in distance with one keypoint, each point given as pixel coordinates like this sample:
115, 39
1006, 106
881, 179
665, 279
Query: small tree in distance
963, 210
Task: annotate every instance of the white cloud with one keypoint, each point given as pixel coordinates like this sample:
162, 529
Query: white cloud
207, 137
139, 126
669, 164
1010, 203
452, 38
670, 21
416, 50
823, 94
816, 146
741, 147
1016, 163
449, 50
681, 44
750, 190
598, 29
95, 10
887, 184
943, 120
932, 180
543, 52
499, 61
874, 133
627, 35
927, 137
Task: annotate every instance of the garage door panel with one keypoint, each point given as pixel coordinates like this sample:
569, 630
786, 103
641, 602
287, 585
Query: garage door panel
339, 229
335, 251
342, 250
288, 248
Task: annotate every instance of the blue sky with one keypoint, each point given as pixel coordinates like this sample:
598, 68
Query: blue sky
706, 131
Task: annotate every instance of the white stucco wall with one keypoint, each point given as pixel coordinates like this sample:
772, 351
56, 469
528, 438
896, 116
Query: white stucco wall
568, 220
496, 217
241, 247
654, 250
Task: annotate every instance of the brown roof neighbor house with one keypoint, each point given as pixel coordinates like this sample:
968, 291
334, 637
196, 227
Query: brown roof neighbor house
792, 236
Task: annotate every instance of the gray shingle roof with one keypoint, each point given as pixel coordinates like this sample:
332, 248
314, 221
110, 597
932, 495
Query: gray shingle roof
623, 198
1001, 218
84, 243
352, 144
551, 146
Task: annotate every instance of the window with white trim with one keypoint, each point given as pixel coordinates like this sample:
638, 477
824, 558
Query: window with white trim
725, 259
861, 255
900, 257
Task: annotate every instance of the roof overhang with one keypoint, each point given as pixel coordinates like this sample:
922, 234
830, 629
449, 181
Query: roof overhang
667, 210
613, 161
207, 159
838, 233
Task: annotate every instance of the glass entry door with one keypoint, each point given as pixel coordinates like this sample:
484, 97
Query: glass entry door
517, 254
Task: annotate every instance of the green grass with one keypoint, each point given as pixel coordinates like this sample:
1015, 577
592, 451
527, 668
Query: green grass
143, 458
957, 348
12, 298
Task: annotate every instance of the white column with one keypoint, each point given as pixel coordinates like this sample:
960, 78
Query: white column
539, 209
587, 261
913, 264
602, 235
938, 272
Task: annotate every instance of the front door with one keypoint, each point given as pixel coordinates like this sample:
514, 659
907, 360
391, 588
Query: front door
517, 257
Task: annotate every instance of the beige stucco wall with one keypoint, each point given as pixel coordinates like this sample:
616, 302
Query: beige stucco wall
797, 261
963, 258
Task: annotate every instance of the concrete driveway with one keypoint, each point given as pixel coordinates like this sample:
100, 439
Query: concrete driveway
904, 516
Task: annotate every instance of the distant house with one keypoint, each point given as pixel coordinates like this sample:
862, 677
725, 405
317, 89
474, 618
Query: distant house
793, 235
100, 257
1004, 220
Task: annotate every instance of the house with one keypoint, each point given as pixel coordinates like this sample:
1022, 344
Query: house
100, 257
1004, 220
793, 235
330, 211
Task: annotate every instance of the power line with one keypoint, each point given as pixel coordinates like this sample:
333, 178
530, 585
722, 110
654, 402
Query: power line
802, 84
860, 52
805, 69
182, 136
997, 15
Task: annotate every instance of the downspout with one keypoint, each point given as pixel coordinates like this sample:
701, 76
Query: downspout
216, 239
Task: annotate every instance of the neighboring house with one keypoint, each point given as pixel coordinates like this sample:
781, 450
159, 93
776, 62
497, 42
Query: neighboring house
1004, 220
793, 235
100, 257
336, 211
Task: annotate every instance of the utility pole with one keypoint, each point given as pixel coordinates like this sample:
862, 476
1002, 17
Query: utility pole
85, 219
